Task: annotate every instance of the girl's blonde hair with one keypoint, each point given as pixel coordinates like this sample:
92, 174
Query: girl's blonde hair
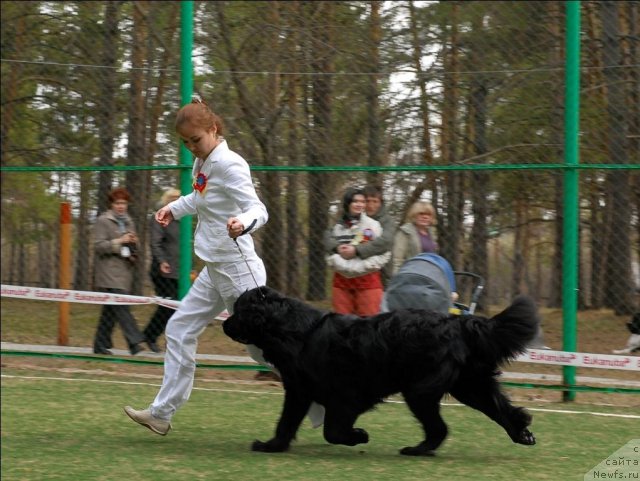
420, 207
167, 194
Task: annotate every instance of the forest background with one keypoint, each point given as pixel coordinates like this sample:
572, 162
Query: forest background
458, 103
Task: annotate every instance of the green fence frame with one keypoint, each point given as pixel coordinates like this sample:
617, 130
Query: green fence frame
186, 92
570, 220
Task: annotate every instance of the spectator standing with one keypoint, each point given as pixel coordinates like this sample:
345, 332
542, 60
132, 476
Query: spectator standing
165, 267
415, 236
115, 246
357, 282
376, 209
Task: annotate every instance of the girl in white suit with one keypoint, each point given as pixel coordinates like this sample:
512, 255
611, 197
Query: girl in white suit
226, 203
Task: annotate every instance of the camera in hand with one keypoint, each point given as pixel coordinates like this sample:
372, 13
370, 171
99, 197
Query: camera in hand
128, 250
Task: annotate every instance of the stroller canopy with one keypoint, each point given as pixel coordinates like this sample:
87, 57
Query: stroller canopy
423, 282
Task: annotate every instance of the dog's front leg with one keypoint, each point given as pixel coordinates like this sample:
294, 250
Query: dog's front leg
338, 425
294, 409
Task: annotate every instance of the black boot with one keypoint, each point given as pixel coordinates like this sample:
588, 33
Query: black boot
153, 346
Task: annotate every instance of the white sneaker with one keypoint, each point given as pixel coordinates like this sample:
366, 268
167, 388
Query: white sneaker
316, 415
145, 418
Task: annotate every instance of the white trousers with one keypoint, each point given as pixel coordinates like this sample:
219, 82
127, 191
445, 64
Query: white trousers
215, 289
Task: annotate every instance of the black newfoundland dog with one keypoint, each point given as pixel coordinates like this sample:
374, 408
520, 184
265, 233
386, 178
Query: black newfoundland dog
349, 364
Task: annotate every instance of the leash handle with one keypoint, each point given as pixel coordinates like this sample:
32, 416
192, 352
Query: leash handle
244, 257
251, 226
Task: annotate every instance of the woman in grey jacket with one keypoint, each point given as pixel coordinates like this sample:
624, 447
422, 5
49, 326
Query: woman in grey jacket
115, 243
416, 236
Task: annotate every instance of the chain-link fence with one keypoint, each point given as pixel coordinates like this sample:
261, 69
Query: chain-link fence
457, 103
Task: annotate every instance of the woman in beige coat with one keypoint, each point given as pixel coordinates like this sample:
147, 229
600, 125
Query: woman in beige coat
416, 236
115, 244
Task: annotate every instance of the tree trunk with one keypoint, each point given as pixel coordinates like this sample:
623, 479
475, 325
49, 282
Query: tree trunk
416, 50
320, 147
273, 239
81, 278
293, 228
618, 286
425, 124
373, 114
633, 78
106, 101
10, 86
449, 229
518, 273
556, 22
154, 106
477, 121
597, 229
135, 179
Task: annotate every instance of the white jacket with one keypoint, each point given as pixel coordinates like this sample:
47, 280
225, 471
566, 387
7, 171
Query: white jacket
229, 192
363, 231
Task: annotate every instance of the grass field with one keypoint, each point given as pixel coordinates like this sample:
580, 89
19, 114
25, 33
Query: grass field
63, 419
70, 425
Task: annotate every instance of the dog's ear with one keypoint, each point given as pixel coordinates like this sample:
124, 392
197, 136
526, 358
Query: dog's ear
271, 294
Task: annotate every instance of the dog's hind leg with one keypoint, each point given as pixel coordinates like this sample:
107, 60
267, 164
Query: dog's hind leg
295, 408
338, 426
426, 409
482, 392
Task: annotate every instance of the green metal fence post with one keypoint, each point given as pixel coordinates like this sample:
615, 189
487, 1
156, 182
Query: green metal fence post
186, 90
570, 224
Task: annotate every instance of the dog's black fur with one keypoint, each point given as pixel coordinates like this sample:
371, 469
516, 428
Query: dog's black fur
634, 324
349, 364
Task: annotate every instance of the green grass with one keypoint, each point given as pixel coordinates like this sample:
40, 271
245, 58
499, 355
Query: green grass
57, 429
53, 428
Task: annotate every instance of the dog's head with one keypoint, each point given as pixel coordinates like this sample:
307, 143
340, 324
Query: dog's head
246, 323
262, 316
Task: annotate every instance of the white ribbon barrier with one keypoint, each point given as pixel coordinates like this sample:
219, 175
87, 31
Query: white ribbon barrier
540, 356
88, 297
581, 359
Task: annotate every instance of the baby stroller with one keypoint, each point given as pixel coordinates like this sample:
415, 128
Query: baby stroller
427, 281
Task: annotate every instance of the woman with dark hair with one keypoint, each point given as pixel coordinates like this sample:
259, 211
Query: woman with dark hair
115, 243
357, 282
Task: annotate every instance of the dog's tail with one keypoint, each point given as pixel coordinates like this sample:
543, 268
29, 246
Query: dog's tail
511, 331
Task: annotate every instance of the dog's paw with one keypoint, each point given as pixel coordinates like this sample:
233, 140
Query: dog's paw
418, 450
347, 438
525, 437
360, 436
271, 446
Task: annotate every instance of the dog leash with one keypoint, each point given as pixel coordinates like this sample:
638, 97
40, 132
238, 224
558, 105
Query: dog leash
244, 257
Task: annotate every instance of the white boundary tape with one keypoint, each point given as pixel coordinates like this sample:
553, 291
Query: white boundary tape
88, 297
82, 297
539, 356
581, 359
